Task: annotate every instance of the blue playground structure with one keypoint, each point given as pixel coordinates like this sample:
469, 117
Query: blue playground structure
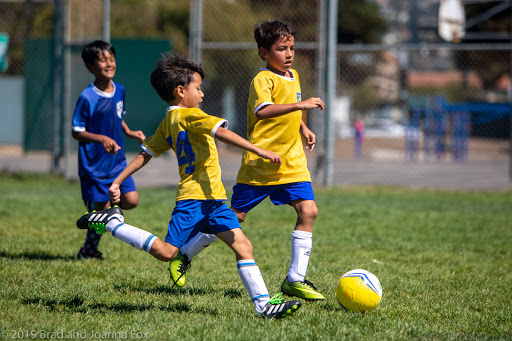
446, 127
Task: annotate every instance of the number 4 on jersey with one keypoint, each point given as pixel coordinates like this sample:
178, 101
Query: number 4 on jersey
184, 152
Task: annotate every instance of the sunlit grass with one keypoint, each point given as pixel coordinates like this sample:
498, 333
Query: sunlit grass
443, 258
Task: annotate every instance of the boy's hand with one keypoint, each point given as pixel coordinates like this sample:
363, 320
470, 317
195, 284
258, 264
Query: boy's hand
311, 103
267, 154
138, 135
310, 138
114, 193
110, 145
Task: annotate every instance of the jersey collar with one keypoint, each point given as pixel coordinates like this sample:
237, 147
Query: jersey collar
287, 78
103, 93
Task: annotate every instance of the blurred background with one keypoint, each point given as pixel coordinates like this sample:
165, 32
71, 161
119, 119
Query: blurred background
403, 105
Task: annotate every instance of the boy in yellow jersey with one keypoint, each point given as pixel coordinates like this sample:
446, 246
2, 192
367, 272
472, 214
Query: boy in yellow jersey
274, 122
200, 196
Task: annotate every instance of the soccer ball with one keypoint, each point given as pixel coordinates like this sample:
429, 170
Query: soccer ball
359, 290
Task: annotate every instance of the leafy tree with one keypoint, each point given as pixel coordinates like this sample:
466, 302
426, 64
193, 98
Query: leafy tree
489, 65
360, 22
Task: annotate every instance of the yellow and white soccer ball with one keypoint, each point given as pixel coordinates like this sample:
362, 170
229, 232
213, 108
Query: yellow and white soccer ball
359, 290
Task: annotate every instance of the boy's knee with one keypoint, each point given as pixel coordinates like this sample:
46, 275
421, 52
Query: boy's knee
309, 212
129, 200
240, 215
129, 205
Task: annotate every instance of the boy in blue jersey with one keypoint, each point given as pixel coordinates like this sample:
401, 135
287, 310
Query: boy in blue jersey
274, 122
200, 195
98, 125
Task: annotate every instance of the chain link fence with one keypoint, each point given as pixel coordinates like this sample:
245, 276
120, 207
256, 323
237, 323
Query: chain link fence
424, 102
411, 105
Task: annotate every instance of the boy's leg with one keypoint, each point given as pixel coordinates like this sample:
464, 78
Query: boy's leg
246, 197
180, 264
252, 279
129, 194
89, 250
129, 200
112, 220
295, 283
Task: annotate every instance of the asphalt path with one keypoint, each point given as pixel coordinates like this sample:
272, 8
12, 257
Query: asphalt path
480, 175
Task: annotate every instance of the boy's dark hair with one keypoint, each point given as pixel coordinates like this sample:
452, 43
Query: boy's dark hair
267, 32
171, 71
91, 51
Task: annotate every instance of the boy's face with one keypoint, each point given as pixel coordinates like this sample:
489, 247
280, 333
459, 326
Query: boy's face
192, 94
104, 67
280, 56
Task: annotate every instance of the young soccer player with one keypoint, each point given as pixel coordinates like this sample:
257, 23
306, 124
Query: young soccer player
274, 122
98, 125
191, 133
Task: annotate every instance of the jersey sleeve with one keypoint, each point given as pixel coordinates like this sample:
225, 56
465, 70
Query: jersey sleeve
260, 92
160, 142
81, 114
200, 122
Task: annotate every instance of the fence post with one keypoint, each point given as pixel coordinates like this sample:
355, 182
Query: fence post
330, 77
57, 84
196, 23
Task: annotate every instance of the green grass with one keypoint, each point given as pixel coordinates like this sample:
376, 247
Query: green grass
444, 260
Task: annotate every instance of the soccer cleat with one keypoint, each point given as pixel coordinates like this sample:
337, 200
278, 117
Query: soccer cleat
278, 308
178, 268
83, 255
97, 220
305, 290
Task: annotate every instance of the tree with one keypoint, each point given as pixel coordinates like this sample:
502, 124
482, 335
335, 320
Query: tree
491, 65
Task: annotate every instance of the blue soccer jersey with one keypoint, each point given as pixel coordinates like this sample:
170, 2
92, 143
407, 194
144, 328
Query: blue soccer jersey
102, 113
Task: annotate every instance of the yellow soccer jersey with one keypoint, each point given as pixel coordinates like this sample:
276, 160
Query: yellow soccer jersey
190, 133
279, 134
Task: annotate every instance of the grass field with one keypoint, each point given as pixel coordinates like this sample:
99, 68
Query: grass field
444, 260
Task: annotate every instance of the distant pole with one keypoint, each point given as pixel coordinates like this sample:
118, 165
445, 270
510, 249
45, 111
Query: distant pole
196, 30
58, 50
330, 91
509, 95
67, 89
319, 117
106, 20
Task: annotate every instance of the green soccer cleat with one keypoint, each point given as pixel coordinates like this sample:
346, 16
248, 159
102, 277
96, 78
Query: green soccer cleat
178, 268
278, 308
305, 290
97, 220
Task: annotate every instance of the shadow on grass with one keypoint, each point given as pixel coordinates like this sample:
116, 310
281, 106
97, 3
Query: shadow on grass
233, 293
165, 289
77, 304
35, 256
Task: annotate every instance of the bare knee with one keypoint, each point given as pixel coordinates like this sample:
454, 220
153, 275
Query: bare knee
307, 211
239, 214
130, 200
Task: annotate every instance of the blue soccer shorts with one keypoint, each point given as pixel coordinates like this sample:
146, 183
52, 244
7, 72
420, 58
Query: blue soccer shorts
97, 191
246, 197
190, 217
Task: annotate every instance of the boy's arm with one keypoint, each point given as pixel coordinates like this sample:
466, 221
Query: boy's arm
308, 135
109, 144
275, 110
137, 163
133, 134
233, 139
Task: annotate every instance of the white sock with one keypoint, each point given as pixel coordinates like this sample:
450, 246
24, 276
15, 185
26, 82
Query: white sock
114, 221
132, 235
197, 244
301, 247
253, 281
